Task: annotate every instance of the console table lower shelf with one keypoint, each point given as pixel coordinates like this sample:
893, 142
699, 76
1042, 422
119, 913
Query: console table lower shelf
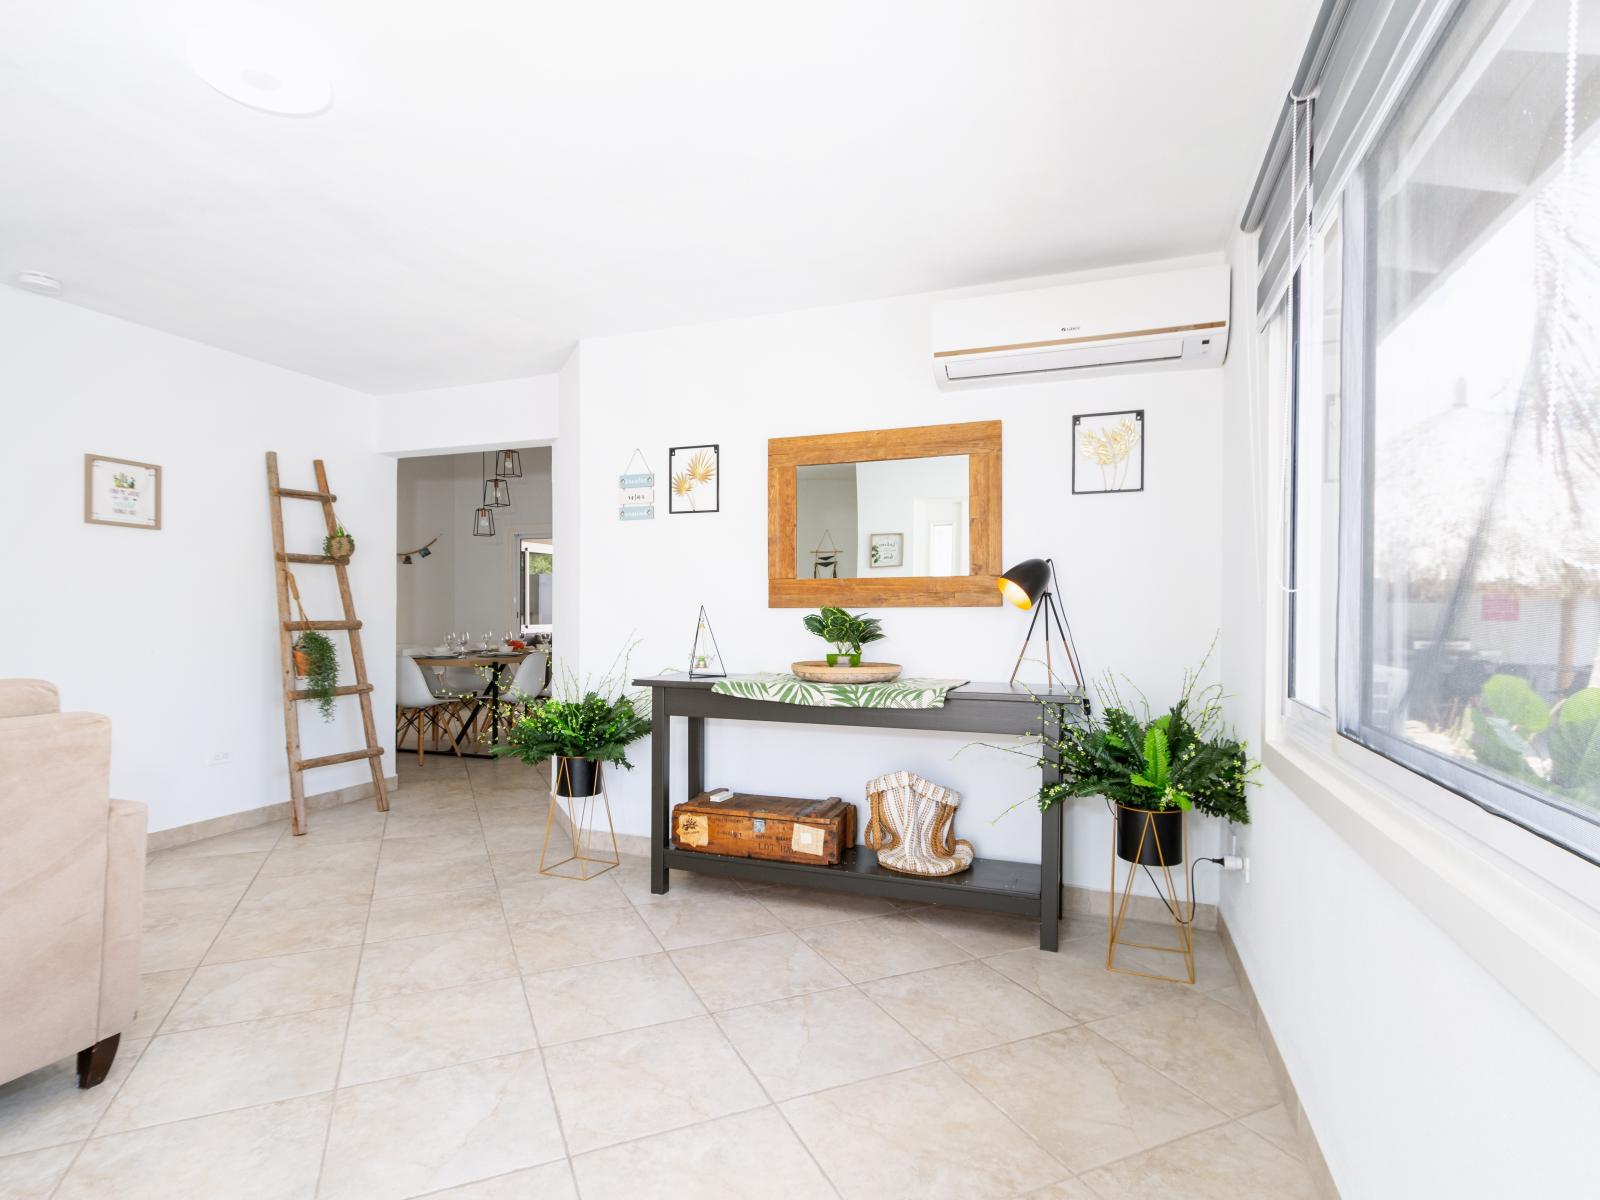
991, 884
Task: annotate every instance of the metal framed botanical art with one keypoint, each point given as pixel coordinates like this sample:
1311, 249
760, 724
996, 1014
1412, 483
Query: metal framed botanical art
1108, 452
696, 486
118, 491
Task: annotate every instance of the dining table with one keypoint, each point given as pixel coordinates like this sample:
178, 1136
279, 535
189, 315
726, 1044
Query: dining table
502, 665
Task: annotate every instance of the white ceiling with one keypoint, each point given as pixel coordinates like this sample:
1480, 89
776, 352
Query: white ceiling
496, 178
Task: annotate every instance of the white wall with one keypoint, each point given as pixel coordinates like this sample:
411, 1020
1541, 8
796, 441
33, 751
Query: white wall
825, 507
173, 633
886, 502
467, 583
1421, 1074
474, 416
866, 367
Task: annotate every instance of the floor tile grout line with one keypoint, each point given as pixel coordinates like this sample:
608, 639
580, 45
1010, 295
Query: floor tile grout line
344, 1042
95, 1128
533, 1027
754, 1075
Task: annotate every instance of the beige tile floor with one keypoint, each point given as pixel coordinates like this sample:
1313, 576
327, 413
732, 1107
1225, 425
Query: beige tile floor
400, 1005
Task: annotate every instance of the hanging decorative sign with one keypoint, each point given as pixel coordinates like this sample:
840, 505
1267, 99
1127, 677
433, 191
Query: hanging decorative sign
636, 491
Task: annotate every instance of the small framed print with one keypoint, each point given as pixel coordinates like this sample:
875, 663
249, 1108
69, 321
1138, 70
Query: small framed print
118, 491
1108, 452
695, 483
886, 549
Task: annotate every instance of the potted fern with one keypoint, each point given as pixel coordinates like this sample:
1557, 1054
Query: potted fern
317, 662
1153, 769
578, 729
845, 632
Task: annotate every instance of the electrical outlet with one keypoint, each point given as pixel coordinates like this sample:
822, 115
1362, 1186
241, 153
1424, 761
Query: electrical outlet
219, 758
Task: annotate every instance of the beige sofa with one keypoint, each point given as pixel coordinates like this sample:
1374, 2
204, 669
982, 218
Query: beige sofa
71, 888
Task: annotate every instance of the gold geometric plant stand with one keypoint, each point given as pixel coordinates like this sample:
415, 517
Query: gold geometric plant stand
1165, 889
581, 814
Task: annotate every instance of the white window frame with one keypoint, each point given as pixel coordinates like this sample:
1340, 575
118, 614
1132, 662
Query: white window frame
1527, 909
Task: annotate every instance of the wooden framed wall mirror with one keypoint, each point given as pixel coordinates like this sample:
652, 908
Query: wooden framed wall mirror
887, 517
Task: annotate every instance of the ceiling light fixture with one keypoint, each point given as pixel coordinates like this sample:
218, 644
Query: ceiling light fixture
38, 281
262, 70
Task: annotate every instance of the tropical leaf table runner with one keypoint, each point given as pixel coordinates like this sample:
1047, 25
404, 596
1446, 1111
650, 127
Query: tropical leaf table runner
790, 689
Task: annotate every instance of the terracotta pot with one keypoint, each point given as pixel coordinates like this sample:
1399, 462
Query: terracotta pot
302, 663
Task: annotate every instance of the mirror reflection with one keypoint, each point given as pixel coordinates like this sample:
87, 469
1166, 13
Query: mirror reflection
871, 520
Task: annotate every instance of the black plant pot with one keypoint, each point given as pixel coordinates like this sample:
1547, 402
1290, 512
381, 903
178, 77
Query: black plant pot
575, 776
1162, 833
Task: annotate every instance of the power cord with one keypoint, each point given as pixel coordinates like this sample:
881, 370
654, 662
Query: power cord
1167, 903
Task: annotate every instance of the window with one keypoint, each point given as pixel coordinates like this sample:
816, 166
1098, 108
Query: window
535, 586
1454, 312
1314, 482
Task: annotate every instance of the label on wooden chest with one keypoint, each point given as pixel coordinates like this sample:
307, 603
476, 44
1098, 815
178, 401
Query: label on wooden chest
808, 839
693, 829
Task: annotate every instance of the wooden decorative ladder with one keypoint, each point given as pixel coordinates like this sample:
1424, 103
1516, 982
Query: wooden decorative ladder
288, 627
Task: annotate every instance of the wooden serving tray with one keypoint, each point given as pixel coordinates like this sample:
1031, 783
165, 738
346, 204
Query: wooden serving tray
818, 671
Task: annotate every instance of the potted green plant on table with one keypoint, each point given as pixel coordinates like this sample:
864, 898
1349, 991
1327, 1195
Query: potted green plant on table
339, 544
1153, 769
845, 632
579, 729
317, 662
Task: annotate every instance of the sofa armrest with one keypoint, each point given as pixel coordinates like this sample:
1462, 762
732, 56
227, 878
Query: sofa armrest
124, 916
28, 698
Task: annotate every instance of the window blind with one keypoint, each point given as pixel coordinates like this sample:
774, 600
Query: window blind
1360, 55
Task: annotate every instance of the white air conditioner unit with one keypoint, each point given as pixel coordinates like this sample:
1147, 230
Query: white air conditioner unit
1164, 319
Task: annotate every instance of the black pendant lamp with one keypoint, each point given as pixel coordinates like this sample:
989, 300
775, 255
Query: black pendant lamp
496, 491
508, 464
1032, 584
483, 516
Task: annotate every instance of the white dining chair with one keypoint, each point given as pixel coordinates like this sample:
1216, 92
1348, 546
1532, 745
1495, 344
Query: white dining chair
417, 708
529, 679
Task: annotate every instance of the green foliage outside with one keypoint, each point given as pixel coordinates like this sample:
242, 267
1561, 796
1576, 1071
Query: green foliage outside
1553, 747
540, 564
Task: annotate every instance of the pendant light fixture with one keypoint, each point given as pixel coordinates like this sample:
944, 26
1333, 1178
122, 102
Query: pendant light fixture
483, 517
508, 464
496, 491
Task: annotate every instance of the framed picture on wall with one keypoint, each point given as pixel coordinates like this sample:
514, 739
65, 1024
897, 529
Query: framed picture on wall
118, 491
1108, 452
886, 549
693, 471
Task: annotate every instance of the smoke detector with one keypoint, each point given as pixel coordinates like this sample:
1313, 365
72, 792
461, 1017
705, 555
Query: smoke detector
261, 69
38, 281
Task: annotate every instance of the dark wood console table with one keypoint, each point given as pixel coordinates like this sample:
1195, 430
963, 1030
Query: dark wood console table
1027, 889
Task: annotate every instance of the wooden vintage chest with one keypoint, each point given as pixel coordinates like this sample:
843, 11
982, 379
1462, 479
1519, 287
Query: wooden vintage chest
772, 827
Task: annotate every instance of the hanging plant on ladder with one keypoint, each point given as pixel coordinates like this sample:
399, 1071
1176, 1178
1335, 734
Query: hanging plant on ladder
317, 662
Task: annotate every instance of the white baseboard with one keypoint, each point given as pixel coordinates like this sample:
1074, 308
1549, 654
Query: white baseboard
1310, 1148
182, 835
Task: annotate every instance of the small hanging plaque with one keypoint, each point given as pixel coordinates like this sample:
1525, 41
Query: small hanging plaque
636, 491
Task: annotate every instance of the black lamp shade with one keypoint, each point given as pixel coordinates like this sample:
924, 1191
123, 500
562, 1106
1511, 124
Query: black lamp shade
1024, 583
508, 464
483, 523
